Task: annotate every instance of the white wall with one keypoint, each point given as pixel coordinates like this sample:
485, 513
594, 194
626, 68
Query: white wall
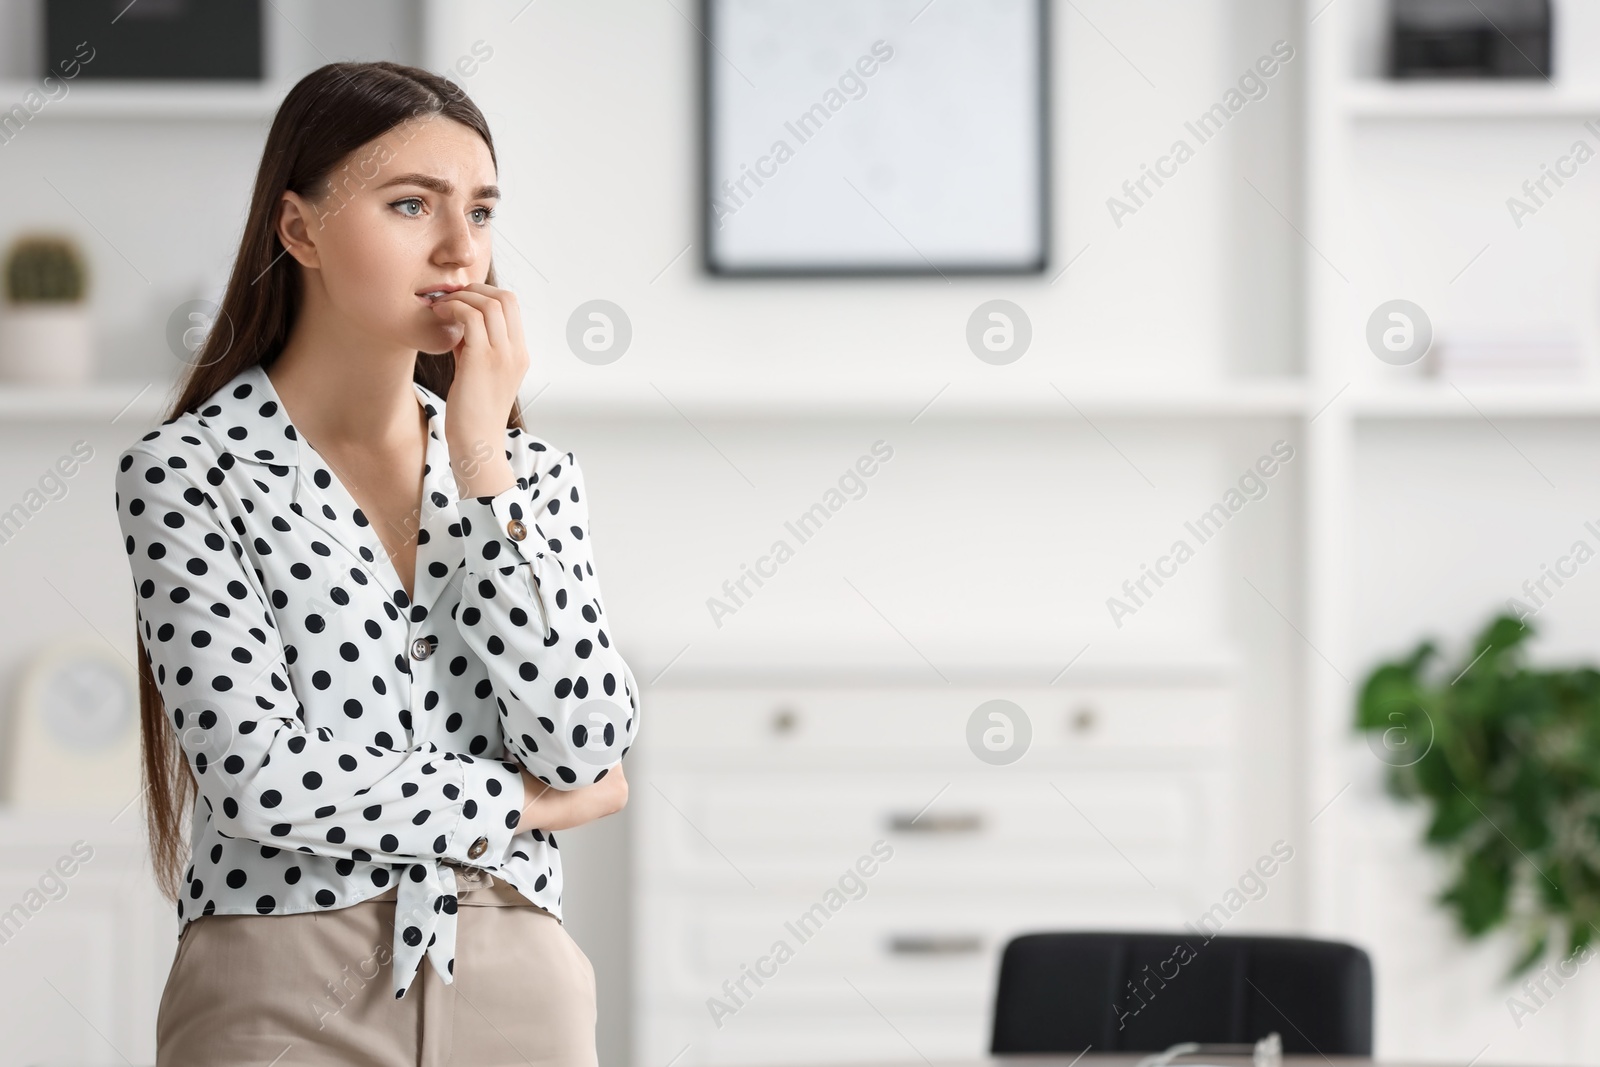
991, 531
596, 111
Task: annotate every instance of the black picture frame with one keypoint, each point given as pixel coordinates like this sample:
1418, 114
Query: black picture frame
158, 40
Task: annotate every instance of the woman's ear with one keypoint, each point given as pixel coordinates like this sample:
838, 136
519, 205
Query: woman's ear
297, 226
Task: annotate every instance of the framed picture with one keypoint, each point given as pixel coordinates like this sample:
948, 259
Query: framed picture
217, 40
901, 137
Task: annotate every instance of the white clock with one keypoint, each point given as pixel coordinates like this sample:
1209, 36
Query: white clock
73, 739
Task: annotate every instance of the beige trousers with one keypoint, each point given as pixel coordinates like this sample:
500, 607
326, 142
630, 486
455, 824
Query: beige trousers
314, 989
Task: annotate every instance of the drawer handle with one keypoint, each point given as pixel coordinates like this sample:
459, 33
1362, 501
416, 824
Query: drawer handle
935, 944
959, 823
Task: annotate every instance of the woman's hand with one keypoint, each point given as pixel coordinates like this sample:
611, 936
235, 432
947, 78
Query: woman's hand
491, 361
562, 809
605, 797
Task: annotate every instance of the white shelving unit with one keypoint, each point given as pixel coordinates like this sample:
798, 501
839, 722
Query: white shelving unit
1427, 101
807, 398
131, 100
1389, 167
1284, 399
930, 398
1475, 401
98, 402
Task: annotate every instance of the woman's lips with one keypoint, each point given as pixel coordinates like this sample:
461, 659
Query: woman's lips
428, 296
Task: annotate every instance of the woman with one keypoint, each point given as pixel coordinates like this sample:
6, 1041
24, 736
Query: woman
368, 620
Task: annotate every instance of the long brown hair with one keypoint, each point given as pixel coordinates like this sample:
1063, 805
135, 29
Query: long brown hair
329, 114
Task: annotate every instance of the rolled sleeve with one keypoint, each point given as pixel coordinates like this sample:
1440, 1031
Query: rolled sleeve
532, 610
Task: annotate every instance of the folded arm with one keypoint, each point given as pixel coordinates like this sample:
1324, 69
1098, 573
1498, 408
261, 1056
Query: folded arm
219, 662
532, 611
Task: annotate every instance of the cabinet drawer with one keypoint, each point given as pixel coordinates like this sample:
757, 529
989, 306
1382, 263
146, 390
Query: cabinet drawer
902, 722
851, 1032
1070, 828
903, 951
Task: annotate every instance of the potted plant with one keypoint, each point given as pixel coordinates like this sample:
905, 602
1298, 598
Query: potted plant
44, 333
1507, 759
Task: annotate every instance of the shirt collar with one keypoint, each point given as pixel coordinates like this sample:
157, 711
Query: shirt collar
249, 417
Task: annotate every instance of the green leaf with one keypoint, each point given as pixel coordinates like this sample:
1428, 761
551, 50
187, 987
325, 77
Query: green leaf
1531, 954
1506, 758
1480, 891
1581, 937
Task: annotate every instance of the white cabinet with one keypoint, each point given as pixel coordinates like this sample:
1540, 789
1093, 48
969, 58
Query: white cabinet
830, 873
85, 939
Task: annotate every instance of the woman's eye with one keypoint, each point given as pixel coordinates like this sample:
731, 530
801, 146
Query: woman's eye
481, 215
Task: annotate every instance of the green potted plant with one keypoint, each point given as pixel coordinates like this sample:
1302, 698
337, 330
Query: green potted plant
1506, 757
44, 333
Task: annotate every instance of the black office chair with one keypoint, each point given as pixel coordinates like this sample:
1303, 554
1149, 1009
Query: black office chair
1143, 992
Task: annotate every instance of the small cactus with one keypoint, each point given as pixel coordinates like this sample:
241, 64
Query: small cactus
41, 268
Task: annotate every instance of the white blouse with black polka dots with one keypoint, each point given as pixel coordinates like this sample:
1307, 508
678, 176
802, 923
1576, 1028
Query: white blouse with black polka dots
347, 737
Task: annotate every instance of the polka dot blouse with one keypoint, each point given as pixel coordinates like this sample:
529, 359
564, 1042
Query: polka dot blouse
347, 738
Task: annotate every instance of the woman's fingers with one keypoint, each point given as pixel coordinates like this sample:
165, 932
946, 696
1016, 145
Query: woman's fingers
513, 314
503, 310
475, 332
492, 311
490, 362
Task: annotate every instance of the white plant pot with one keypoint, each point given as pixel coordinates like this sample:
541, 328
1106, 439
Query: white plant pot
48, 343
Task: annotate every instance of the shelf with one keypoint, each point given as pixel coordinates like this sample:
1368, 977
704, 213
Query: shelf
926, 399
139, 99
101, 401
1475, 401
1472, 100
814, 398
715, 660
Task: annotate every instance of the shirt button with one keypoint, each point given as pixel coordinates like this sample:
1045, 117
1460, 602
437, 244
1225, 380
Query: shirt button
421, 648
479, 847
516, 529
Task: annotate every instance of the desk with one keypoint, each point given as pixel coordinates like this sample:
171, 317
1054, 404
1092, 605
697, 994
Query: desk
1118, 1059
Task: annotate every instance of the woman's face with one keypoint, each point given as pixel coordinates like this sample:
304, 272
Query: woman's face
406, 214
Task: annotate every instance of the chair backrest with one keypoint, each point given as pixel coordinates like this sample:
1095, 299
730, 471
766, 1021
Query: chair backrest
1144, 992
